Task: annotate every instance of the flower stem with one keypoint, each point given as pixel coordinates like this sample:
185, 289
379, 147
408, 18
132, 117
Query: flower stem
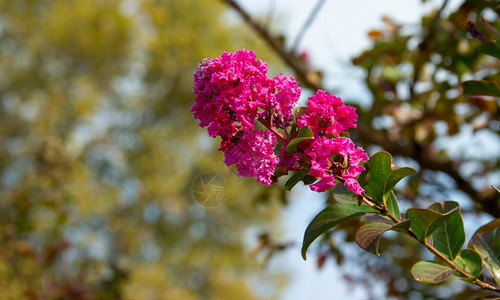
272, 129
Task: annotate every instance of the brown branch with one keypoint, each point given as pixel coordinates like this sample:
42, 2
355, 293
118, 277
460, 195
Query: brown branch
489, 201
383, 210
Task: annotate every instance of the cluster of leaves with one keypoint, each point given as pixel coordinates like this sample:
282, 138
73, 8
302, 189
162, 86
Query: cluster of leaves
439, 228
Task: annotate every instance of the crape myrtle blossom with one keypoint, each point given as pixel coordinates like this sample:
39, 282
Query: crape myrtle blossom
234, 89
233, 92
327, 114
323, 166
254, 155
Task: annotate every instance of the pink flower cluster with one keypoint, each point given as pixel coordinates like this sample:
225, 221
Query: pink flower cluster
327, 114
233, 92
254, 155
347, 167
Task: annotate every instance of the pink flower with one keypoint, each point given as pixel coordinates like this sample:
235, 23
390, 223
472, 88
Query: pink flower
285, 98
232, 91
327, 114
288, 160
223, 88
321, 152
254, 155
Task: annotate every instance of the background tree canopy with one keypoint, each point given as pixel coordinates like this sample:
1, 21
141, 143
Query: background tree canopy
98, 149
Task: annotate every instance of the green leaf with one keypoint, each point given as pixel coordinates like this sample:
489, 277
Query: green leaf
341, 194
491, 49
470, 261
449, 236
308, 179
383, 177
297, 112
481, 87
393, 206
293, 144
294, 179
305, 133
486, 241
330, 217
293, 128
402, 227
430, 272
425, 221
369, 235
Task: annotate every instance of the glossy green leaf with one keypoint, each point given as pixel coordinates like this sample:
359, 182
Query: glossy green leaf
295, 178
305, 132
383, 177
369, 235
330, 217
292, 146
425, 221
491, 49
470, 261
486, 242
341, 194
392, 205
481, 87
430, 272
449, 236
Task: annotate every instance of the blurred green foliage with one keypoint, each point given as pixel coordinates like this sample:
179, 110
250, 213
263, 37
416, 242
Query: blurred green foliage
98, 151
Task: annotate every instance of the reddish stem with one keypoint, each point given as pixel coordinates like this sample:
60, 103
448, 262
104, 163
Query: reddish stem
273, 130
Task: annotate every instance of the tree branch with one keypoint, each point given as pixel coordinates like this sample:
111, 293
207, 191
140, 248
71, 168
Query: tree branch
483, 284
